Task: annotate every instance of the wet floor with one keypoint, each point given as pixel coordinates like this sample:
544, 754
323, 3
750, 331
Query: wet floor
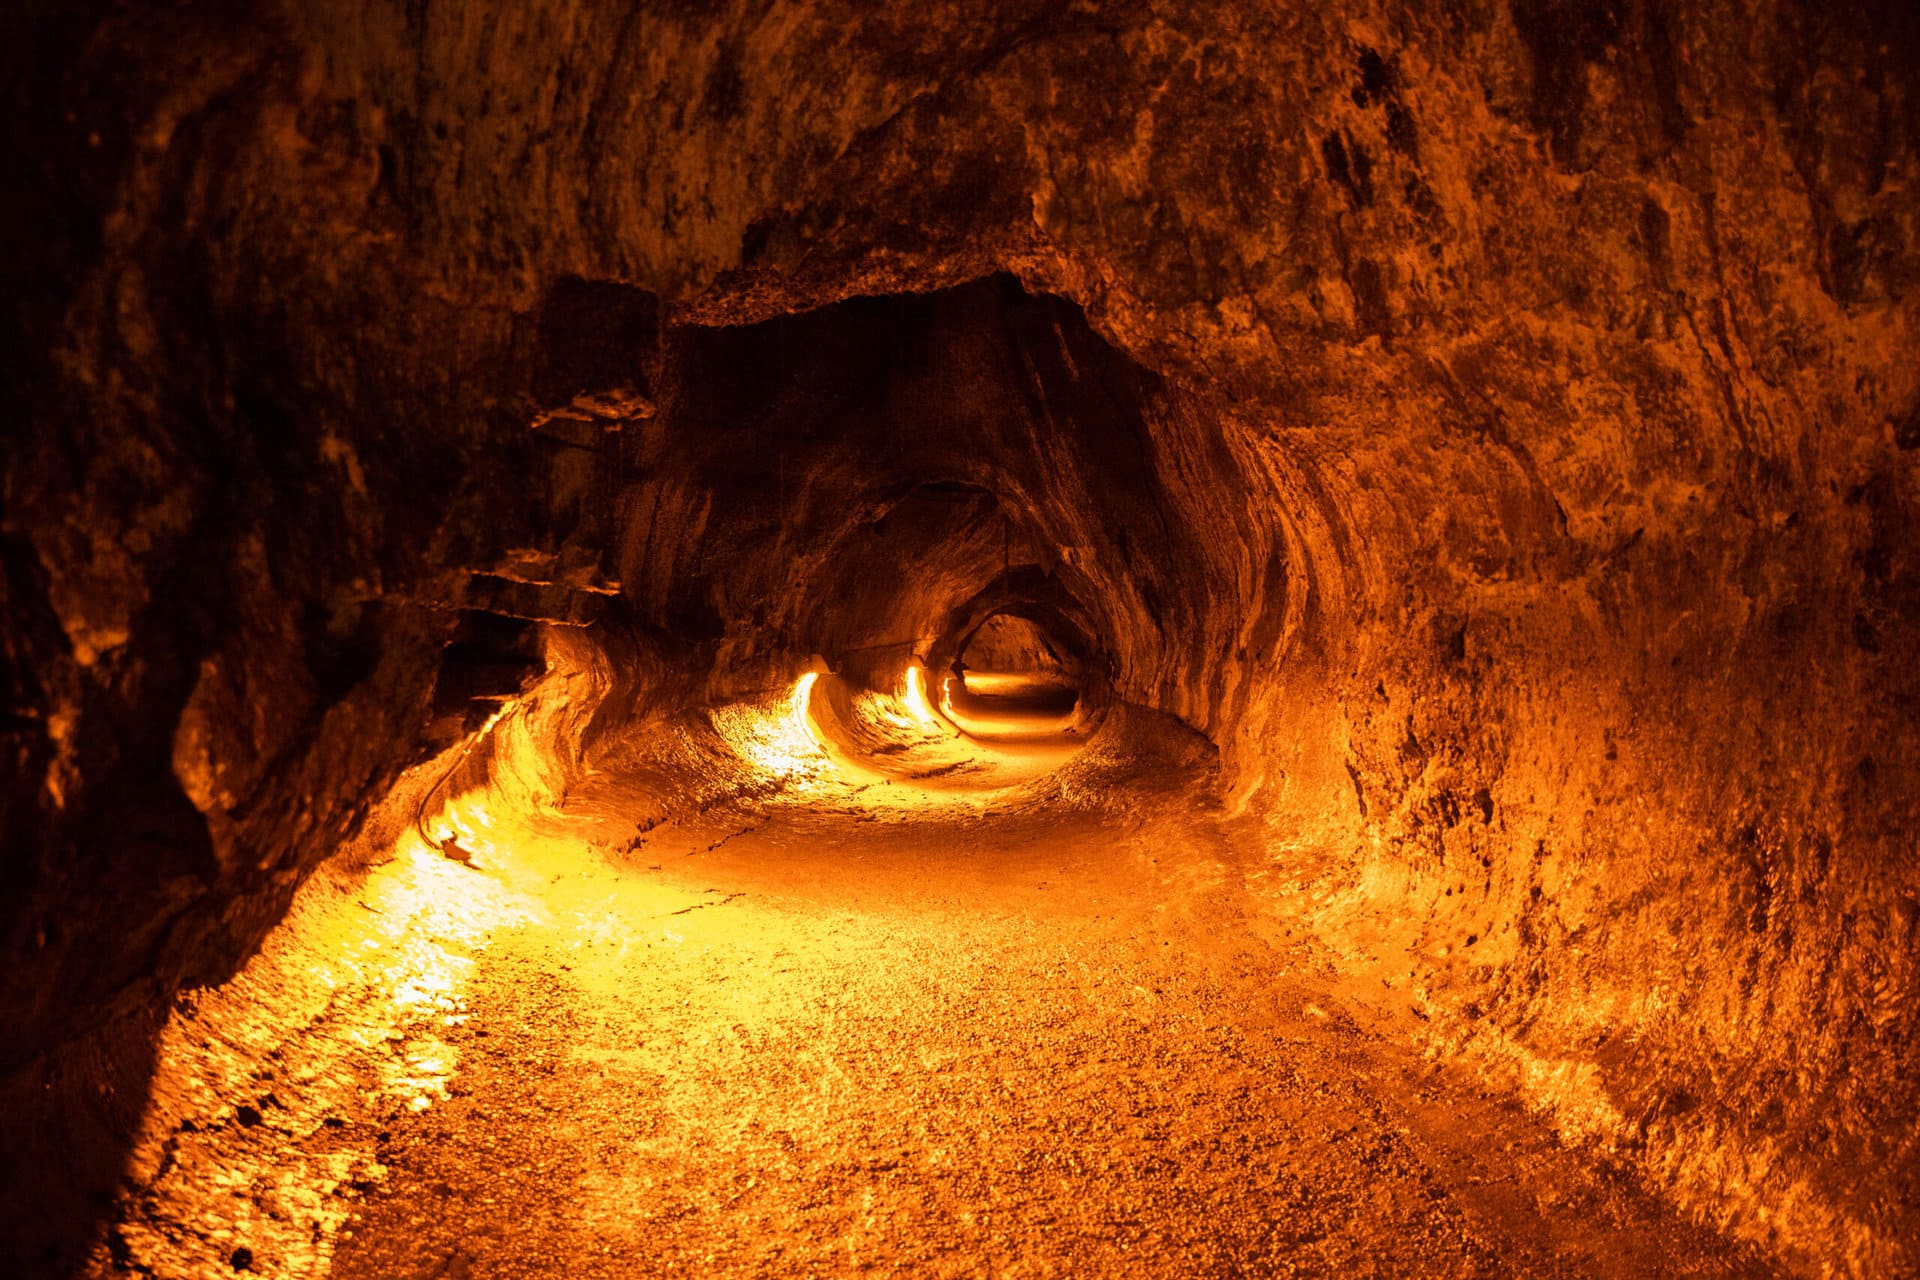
845, 1028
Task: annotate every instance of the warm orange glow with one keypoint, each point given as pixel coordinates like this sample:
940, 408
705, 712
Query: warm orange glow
1001, 684
779, 738
916, 698
382, 983
463, 827
802, 696
738, 1006
1008, 707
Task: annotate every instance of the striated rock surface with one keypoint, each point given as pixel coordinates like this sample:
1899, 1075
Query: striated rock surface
1493, 425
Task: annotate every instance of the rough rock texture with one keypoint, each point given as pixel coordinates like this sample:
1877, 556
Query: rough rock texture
1494, 425
1008, 642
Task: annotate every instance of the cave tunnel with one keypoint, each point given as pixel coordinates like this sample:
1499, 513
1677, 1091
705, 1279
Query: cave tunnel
1113, 639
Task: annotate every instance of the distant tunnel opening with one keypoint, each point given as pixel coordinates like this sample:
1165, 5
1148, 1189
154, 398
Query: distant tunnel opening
1011, 679
1009, 643
960, 480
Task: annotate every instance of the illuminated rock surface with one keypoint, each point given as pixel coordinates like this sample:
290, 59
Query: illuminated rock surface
838, 1026
1466, 457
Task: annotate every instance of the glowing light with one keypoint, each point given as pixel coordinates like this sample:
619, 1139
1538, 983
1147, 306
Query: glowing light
802, 702
916, 698
779, 740
461, 828
1002, 707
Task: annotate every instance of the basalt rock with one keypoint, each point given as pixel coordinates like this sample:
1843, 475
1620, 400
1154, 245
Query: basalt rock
1493, 425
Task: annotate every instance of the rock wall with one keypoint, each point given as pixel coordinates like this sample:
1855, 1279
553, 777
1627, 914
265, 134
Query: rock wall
1493, 424
1006, 642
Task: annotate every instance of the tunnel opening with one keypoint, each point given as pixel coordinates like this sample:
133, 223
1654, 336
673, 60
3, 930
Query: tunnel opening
1011, 681
1010, 644
860, 472
865, 484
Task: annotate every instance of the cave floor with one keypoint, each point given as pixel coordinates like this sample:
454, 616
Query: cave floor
842, 1029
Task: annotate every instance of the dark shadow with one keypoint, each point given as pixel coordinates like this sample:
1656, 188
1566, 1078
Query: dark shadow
66, 1121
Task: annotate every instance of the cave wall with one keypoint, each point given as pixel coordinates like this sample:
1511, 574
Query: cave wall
1007, 642
1522, 493
867, 480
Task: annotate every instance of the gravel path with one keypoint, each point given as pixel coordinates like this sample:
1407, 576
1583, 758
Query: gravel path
856, 1039
835, 1029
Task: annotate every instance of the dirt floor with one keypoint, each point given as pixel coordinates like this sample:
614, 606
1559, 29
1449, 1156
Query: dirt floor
842, 1027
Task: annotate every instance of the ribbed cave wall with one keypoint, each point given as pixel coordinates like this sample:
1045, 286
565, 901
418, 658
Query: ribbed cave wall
853, 480
1494, 425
